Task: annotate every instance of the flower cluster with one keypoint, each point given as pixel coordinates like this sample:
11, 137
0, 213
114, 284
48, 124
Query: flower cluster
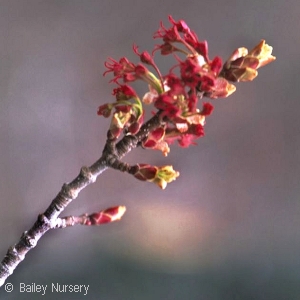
176, 94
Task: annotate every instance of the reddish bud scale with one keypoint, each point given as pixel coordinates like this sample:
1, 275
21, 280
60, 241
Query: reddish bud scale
153, 137
105, 216
149, 144
146, 172
134, 127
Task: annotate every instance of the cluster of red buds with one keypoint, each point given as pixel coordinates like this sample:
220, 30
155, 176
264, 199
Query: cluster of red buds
175, 96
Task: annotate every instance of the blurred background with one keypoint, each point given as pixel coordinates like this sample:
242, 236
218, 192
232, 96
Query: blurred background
228, 228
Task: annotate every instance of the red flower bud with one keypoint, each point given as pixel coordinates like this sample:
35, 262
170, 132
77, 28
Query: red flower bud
105, 216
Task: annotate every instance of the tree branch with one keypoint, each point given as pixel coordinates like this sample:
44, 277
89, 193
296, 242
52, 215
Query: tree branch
111, 156
175, 97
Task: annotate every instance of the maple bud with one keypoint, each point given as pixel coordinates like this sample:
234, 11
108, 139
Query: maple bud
105, 216
263, 52
155, 140
242, 66
161, 176
118, 122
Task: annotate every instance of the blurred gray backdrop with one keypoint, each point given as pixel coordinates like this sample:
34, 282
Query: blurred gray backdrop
228, 228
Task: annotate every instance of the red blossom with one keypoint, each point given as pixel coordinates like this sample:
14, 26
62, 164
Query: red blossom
186, 140
206, 109
165, 49
175, 83
163, 100
216, 65
202, 49
137, 72
192, 102
207, 83
145, 56
173, 80
189, 72
119, 68
184, 134
168, 104
191, 38
168, 35
176, 94
172, 35
124, 92
140, 70
180, 25
196, 129
105, 110
129, 77
172, 111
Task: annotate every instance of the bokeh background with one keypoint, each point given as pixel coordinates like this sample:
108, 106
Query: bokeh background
228, 228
